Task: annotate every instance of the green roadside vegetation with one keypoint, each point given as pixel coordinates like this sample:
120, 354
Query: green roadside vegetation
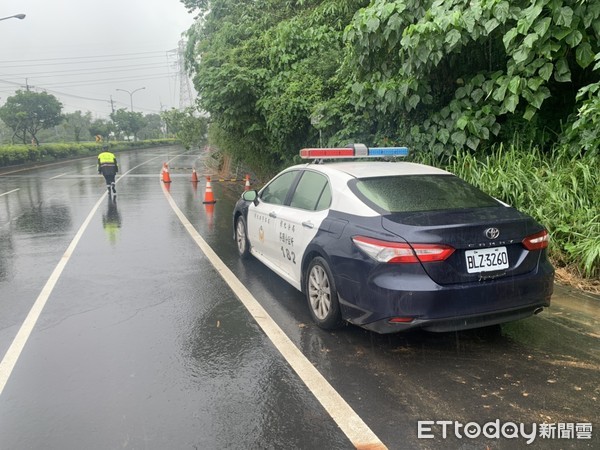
16, 154
505, 94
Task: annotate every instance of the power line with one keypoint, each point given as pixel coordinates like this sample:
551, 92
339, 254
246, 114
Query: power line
91, 70
87, 57
75, 62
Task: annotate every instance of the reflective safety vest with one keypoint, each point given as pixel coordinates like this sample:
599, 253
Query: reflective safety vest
106, 157
107, 163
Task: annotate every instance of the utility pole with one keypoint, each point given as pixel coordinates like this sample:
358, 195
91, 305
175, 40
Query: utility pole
112, 105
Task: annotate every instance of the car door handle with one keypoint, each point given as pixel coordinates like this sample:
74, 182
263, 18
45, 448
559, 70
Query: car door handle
273, 215
308, 225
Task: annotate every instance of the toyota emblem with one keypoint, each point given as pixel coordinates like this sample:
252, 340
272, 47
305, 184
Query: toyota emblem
492, 233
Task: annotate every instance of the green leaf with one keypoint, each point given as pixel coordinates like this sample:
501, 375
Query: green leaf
541, 26
560, 33
444, 135
501, 11
511, 102
462, 122
509, 37
500, 92
584, 55
452, 38
546, 71
539, 97
491, 25
515, 85
534, 83
459, 138
521, 55
413, 101
461, 92
477, 95
530, 39
562, 73
529, 113
373, 24
563, 16
574, 38
473, 142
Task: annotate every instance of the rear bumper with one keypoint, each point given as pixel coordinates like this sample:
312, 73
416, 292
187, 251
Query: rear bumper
440, 308
454, 324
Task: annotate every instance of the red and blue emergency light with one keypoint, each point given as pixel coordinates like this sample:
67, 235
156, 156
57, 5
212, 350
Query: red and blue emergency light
352, 151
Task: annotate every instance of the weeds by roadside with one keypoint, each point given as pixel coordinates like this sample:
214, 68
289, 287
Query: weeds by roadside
559, 189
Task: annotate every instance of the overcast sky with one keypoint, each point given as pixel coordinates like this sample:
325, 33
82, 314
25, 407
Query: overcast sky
82, 51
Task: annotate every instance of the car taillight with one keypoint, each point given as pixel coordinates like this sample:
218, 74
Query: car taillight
400, 252
537, 241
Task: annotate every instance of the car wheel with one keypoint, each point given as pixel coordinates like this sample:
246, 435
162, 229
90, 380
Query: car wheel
321, 295
241, 239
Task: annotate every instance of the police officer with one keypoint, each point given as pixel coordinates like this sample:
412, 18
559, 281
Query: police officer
107, 166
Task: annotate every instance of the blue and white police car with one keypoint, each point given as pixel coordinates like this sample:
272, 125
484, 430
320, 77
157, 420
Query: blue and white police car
391, 246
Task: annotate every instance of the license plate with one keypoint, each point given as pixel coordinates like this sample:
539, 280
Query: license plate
486, 259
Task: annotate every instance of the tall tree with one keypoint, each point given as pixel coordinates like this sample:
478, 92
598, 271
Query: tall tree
187, 125
153, 128
127, 122
103, 128
28, 112
77, 124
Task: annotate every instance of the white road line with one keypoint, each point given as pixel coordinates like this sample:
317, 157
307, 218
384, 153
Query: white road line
16, 348
9, 192
341, 412
74, 171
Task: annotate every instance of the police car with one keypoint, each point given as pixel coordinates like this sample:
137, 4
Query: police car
391, 246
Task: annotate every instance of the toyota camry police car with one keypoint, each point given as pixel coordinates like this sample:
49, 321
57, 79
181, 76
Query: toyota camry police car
391, 246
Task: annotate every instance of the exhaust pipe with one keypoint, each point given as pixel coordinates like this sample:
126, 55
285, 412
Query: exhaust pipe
538, 310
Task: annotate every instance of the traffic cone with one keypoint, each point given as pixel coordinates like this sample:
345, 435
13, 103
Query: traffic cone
209, 198
194, 176
166, 178
247, 185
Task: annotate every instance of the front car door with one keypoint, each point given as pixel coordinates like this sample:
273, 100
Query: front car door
262, 218
298, 222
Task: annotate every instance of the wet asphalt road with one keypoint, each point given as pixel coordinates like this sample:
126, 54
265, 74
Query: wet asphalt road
141, 344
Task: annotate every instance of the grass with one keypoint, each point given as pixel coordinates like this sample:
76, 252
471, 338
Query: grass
558, 189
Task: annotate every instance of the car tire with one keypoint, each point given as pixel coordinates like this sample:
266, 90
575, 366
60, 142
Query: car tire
241, 238
321, 295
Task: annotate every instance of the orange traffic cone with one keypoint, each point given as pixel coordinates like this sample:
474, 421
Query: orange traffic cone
247, 185
209, 198
166, 178
194, 176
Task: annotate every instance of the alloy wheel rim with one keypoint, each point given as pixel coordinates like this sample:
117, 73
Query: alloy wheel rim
241, 237
319, 291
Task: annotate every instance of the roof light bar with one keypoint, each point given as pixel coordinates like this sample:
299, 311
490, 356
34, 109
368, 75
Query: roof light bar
352, 151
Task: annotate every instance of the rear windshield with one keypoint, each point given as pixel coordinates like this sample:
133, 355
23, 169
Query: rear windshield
407, 193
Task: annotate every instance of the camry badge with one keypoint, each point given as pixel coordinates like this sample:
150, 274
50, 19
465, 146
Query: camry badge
492, 233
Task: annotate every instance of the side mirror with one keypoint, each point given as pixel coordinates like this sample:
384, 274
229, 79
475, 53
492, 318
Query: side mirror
251, 196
